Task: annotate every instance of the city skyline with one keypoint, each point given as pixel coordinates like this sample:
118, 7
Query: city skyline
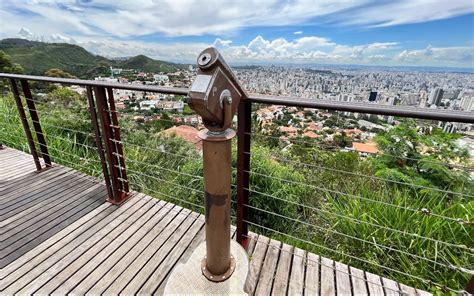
398, 33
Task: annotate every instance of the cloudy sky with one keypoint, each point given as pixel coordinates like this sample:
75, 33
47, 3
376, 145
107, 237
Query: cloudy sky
367, 32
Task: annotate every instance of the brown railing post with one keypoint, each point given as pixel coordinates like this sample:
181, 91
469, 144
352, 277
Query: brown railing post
244, 126
25, 124
470, 286
36, 123
113, 146
98, 141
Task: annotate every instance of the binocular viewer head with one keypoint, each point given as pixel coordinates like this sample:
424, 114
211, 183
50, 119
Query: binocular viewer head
215, 93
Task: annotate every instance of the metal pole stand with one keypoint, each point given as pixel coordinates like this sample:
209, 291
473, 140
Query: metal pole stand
220, 265
222, 261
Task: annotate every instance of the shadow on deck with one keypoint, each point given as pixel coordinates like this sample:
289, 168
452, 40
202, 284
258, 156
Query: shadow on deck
58, 235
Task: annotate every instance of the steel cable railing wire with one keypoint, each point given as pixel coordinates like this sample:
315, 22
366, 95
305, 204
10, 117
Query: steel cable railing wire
425, 281
153, 149
320, 145
370, 177
68, 140
358, 221
74, 164
323, 229
54, 126
456, 220
163, 168
163, 180
257, 241
49, 103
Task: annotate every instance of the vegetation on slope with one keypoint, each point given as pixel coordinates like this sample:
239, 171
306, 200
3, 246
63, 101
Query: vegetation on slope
38, 57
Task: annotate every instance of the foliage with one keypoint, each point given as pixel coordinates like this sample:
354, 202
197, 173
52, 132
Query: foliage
7, 66
55, 72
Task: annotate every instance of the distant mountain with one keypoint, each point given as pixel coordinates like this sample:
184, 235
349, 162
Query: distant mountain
38, 57
146, 64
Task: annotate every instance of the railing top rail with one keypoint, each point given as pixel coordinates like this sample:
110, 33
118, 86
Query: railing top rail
369, 108
80, 82
403, 111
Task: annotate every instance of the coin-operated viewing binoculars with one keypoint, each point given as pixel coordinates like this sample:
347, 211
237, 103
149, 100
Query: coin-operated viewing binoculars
214, 95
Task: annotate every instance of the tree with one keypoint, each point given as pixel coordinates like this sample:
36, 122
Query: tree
58, 73
64, 96
422, 157
7, 65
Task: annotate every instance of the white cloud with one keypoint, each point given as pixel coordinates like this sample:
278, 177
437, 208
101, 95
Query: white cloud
391, 13
310, 49
127, 18
298, 32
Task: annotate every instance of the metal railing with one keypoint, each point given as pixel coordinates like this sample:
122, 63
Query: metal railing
122, 167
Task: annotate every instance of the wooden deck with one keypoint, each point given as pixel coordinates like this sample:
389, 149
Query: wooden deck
59, 236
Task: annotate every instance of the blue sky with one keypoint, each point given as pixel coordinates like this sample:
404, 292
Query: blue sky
367, 32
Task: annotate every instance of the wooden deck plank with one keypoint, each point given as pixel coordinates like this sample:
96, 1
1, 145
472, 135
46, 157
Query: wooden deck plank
87, 275
296, 283
156, 234
359, 284
32, 211
197, 240
60, 248
34, 281
91, 258
255, 264
343, 284
50, 210
17, 265
37, 231
21, 201
133, 269
25, 244
280, 285
26, 186
407, 290
328, 285
390, 287
159, 274
374, 284
267, 275
311, 284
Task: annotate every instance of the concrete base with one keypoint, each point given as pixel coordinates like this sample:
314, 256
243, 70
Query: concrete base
187, 278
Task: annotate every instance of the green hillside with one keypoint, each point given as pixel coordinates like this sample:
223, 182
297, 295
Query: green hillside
38, 57
146, 64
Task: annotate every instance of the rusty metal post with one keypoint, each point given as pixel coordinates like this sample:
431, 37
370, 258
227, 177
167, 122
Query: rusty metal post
470, 286
98, 141
117, 137
25, 124
218, 264
111, 136
36, 122
244, 126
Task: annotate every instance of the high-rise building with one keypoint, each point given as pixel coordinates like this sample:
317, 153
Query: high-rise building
372, 96
435, 96
467, 101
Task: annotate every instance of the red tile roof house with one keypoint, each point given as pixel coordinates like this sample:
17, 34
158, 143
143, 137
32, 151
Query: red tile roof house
367, 148
289, 130
187, 133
